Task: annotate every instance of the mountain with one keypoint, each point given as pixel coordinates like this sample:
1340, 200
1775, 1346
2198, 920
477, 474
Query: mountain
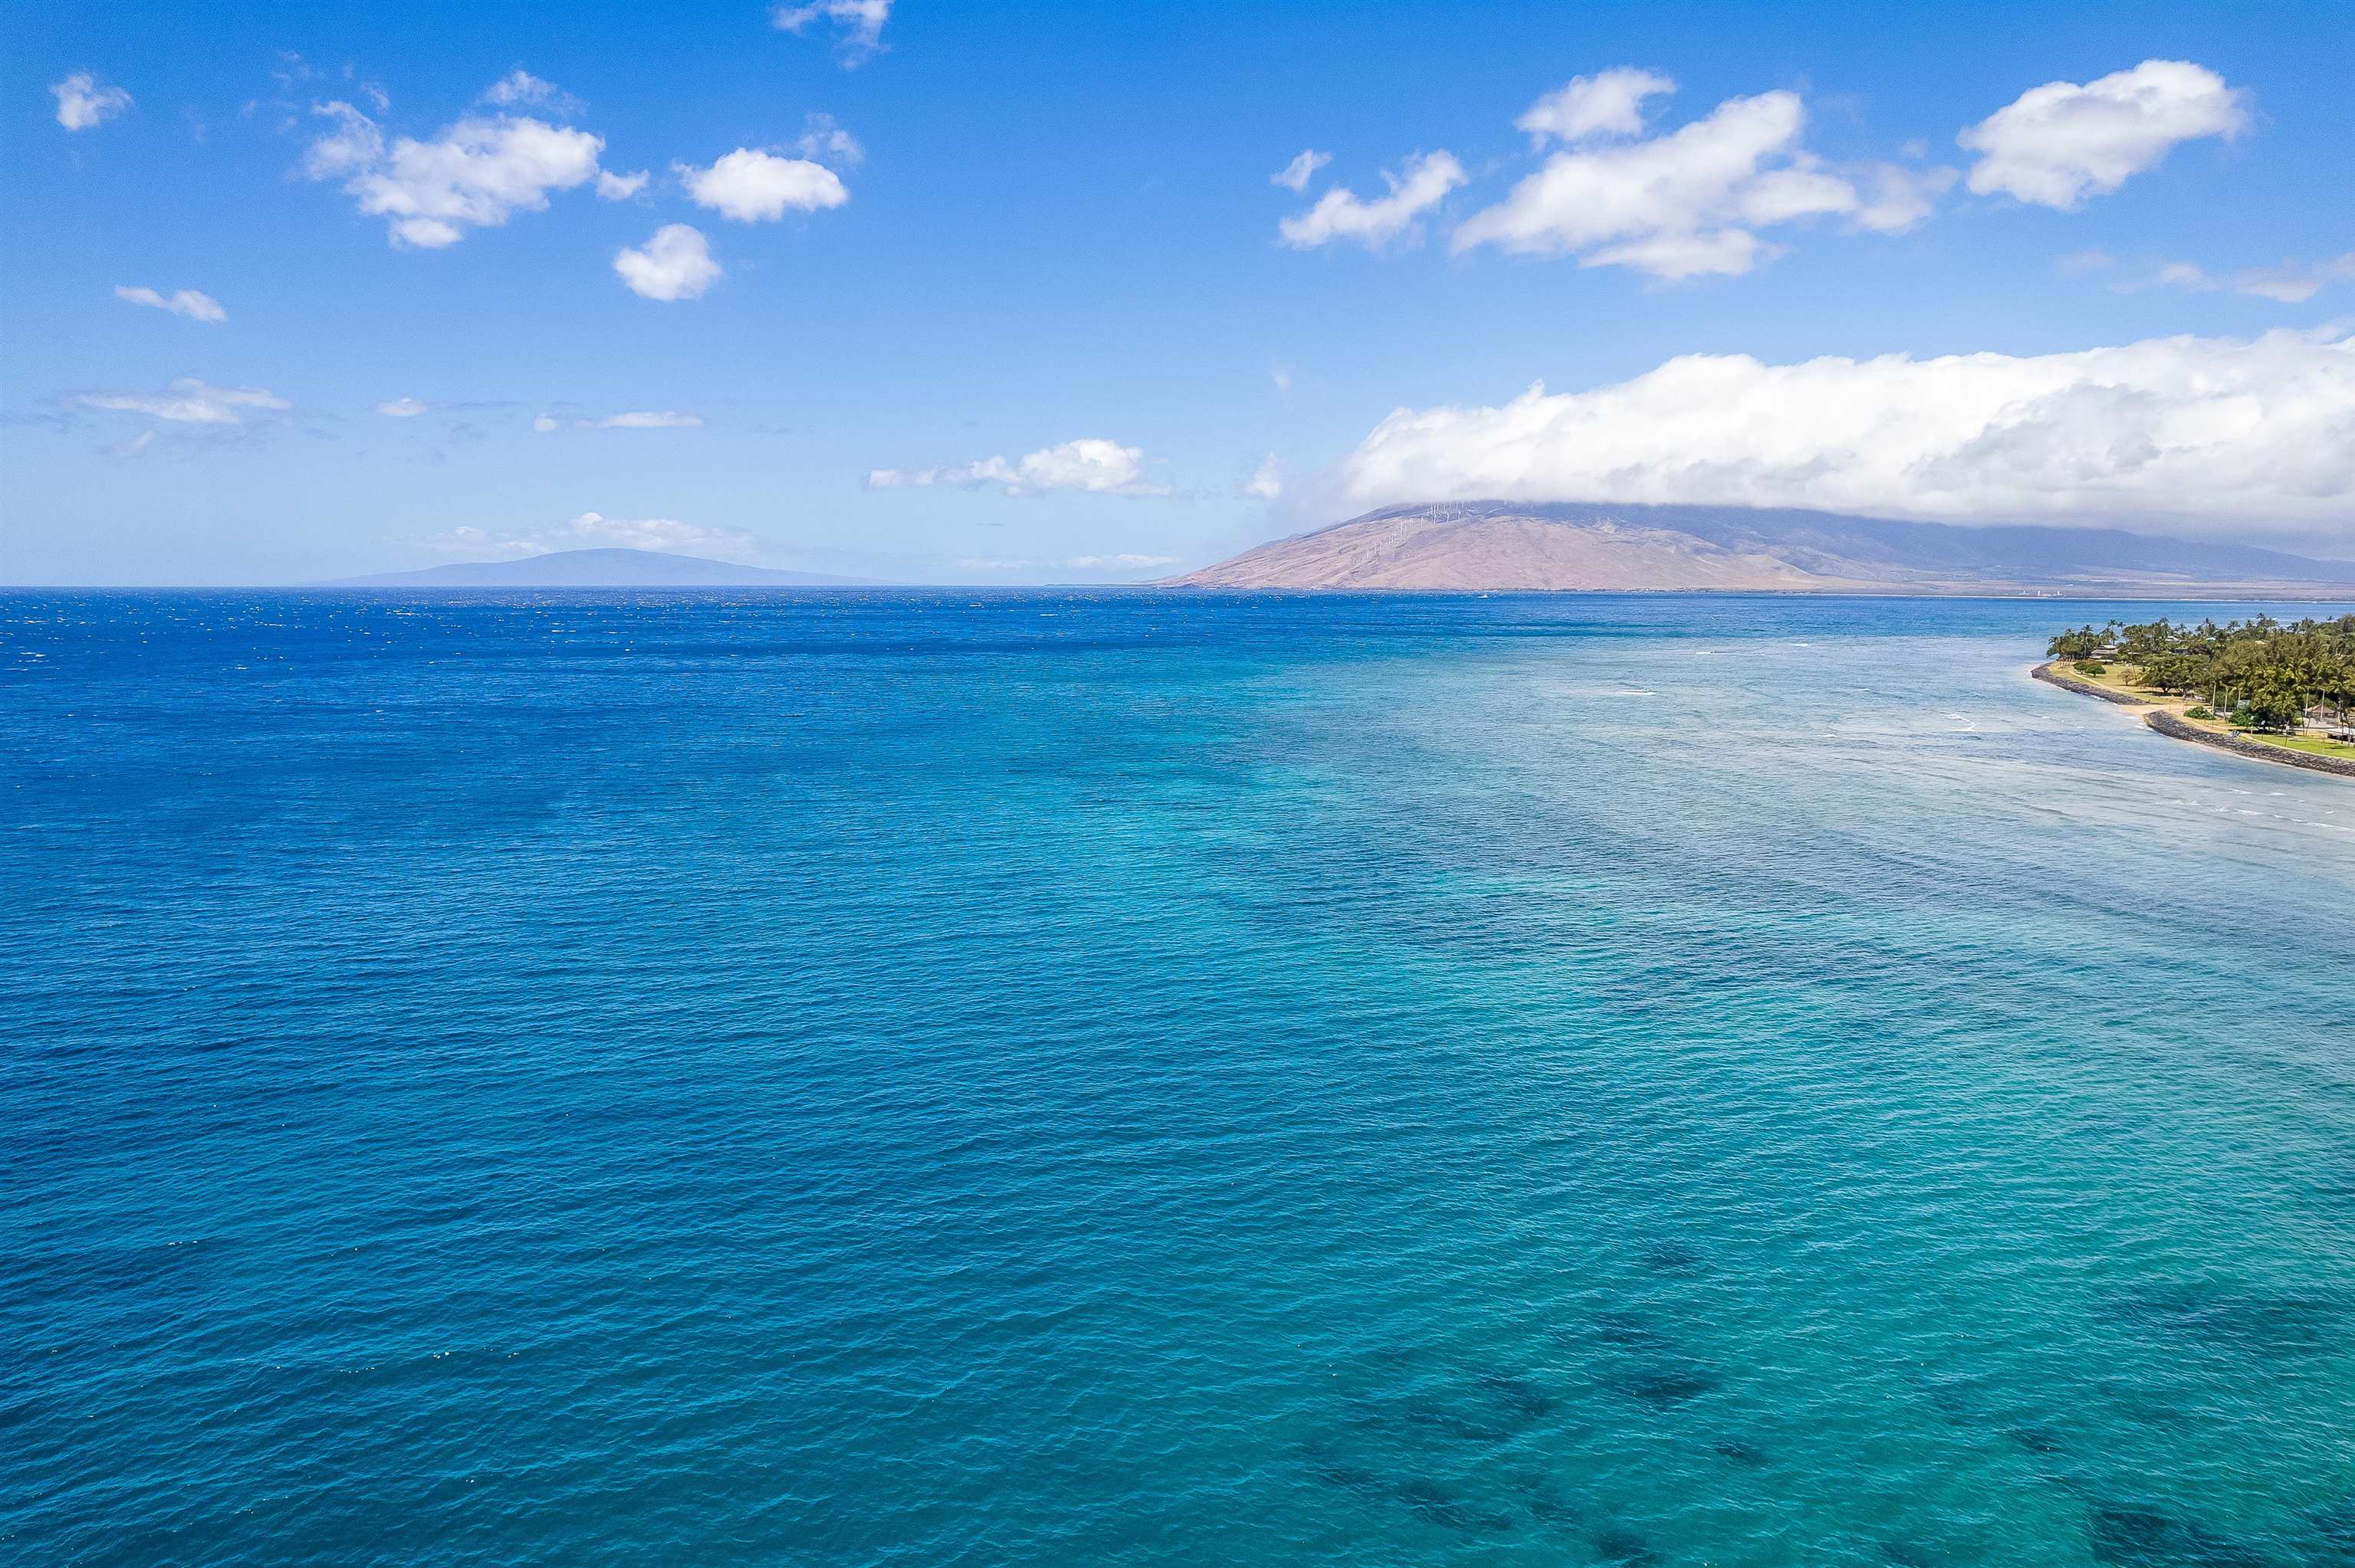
597, 568
1512, 545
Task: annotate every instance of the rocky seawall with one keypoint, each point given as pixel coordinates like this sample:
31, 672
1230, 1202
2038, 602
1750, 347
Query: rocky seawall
2174, 726
2168, 724
2086, 688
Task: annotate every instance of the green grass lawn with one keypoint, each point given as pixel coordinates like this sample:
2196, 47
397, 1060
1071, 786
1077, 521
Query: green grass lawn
2112, 678
2318, 744
2118, 678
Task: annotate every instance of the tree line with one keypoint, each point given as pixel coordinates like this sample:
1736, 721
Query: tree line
2261, 673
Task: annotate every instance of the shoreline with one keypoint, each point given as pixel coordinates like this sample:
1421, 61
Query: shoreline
2166, 716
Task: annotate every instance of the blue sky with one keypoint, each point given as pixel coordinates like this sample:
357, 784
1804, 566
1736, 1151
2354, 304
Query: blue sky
1025, 311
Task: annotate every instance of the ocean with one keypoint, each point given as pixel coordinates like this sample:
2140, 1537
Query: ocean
1119, 1077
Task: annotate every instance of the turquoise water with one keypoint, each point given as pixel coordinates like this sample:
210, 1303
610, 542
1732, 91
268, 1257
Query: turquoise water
1124, 1079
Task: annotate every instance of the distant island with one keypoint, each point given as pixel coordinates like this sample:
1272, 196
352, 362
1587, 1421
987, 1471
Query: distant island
598, 568
2281, 693
1514, 546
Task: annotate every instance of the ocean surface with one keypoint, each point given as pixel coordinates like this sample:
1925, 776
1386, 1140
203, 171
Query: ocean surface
1125, 1078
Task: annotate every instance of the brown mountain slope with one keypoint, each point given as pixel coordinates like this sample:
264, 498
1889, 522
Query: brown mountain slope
1508, 554
1504, 547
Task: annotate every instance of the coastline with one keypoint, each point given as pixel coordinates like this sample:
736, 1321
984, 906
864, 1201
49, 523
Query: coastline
2046, 671
2164, 715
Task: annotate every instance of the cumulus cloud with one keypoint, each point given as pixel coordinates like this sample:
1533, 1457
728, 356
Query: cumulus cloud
1095, 466
1690, 202
83, 104
189, 401
1344, 215
858, 25
2288, 283
676, 264
1608, 104
752, 186
543, 424
1267, 483
1675, 206
2056, 144
1681, 205
612, 186
2188, 434
1295, 174
190, 302
654, 420
592, 531
402, 409
476, 172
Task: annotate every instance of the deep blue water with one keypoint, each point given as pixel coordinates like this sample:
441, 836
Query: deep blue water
1123, 1079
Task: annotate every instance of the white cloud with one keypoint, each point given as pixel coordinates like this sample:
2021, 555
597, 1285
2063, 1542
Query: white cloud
189, 302
83, 104
2293, 282
402, 409
1690, 202
612, 186
1903, 197
356, 143
1295, 174
634, 420
659, 534
1267, 483
2086, 262
676, 264
476, 172
859, 23
1281, 376
2287, 284
592, 531
2056, 144
1096, 466
189, 401
824, 139
656, 419
1608, 104
1342, 214
1676, 257
752, 186
2185, 432
1675, 206
468, 540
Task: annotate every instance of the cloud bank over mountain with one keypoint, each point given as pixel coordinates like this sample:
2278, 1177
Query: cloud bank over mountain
2183, 434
